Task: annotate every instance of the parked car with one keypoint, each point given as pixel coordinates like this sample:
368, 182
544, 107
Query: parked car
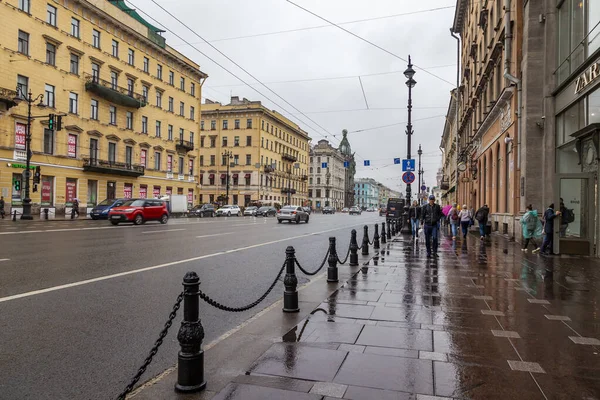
101, 210
371, 209
204, 210
345, 210
266, 211
292, 214
328, 210
139, 211
251, 211
382, 211
355, 210
307, 209
229, 210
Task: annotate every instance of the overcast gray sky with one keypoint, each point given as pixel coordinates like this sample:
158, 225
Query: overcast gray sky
316, 70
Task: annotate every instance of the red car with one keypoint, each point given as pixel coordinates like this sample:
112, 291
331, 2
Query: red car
139, 211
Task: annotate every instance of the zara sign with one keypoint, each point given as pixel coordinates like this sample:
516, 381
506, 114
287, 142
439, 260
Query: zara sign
587, 77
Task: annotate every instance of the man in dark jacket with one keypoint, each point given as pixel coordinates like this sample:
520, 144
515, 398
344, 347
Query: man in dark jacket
482, 216
431, 214
548, 243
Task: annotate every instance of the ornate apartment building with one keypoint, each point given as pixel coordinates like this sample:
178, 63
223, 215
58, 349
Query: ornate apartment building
327, 177
129, 104
448, 145
259, 153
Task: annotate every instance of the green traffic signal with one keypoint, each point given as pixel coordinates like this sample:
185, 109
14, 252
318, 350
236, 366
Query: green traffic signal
17, 185
51, 121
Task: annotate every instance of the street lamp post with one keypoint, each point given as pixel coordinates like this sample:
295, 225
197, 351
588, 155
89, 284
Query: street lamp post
410, 83
419, 152
28, 97
227, 155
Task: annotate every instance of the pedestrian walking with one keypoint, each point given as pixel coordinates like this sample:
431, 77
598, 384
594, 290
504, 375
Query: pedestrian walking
75, 208
482, 216
2, 206
414, 213
453, 220
532, 228
466, 220
567, 216
549, 216
431, 215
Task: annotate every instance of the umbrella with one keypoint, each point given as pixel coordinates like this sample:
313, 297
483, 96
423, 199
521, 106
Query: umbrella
446, 209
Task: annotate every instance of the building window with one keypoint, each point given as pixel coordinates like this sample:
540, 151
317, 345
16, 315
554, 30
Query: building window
249, 123
182, 108
192, 113
145, 93
191, 167
73, 103
75, 27
112, 112
159, 71
201, 125
213, 125
112, 152
225, 124
24, 43
146, 64
51, 15
96, 38
236, 141
24, 5
145, 125
248, 140
95, 72
158, 128
193, 89
130, 86
171, 78
158, 99
129, 120
213, 160
143, 157
171, 104
128, 156
201, 162
213, 142
94, 109
169, 163
48, 141
170, 132
182, 83
114, 79
236, 124
115, 48
74, 64
157, 161
181, 133
224, 141
72, 146
131, 57
49, 99
248, 159
50, 54
201, 141
22, 86
192, 137
180, 165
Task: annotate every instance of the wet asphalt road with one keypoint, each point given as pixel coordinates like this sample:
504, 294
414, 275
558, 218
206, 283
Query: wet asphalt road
82, 302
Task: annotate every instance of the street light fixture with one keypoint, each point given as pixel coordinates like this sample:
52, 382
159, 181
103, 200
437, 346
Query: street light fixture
227, 155
28, 97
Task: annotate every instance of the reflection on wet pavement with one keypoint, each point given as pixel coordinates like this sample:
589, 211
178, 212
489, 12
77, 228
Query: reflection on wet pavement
483, 321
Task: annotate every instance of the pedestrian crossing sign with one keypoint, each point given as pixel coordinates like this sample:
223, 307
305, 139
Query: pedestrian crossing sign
367, 163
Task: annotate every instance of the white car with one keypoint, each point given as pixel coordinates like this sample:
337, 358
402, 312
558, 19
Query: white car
229, 210
250, 210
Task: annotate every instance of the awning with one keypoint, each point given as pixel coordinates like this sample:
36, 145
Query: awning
247, 176
211, 176
235, 176
223, 176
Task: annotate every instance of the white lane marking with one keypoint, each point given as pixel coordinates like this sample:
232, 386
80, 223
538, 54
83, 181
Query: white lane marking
214, 234
4, 259
165, 230
169, 264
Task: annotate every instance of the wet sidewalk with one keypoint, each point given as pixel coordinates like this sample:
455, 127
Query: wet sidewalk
483, 321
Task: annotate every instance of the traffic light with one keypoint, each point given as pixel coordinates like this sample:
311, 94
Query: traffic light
35, 187
51, 121
59, 122
37, 174
17, 185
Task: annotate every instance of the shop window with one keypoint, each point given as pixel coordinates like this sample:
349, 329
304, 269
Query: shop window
92, 193
47, 196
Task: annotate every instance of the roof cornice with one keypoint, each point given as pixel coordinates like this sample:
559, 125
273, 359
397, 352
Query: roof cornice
459, 15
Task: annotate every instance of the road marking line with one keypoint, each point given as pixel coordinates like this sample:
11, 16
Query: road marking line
214, 234
166, 230
4, 259
169, 264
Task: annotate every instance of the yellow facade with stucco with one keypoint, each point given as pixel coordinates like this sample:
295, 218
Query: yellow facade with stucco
130, 105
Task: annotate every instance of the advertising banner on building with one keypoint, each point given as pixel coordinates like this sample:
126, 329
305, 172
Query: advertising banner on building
47, 186
20, 135
72, 146
156, 192
169, 191
190, 196
143, 192
169, 163
71, 194
143, 157
128, 191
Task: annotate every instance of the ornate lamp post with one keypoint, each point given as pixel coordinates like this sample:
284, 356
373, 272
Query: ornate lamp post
410, 83
227, 155
28, 97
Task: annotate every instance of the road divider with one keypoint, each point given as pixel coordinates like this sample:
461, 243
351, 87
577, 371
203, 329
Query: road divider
164, 230
214, 234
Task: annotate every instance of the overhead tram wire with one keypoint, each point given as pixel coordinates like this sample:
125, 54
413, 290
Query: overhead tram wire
227, 70
369, 42
395, 124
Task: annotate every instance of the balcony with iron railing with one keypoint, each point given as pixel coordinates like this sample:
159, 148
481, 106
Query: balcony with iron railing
112, 167
288, 190
184, 145
113, 93
268, 169
289, 157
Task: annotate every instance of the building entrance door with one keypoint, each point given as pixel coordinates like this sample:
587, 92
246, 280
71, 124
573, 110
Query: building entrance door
111, 190
576, 228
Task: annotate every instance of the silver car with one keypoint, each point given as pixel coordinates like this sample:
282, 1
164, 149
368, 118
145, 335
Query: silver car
292, 214
250, 210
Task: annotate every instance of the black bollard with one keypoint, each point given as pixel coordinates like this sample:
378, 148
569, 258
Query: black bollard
376, 237
389, 230
15, 215
332, 271
383, 237
46, 211
290, 294
190, 360
353, 249
365, 242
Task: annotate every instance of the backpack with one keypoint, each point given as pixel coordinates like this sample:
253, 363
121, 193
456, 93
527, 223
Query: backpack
454, 216
479, 215
568, 216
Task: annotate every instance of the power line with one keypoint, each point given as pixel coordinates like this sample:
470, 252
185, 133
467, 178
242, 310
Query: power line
370, 109
369, 42
363, 92
396, 124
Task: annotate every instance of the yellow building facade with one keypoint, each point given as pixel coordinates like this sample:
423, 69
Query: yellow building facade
266, 152
130, 105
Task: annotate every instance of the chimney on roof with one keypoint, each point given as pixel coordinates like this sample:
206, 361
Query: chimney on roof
235, 100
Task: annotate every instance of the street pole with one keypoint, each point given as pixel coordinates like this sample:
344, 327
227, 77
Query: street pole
227, 156
289, 193
410, 83
419, 152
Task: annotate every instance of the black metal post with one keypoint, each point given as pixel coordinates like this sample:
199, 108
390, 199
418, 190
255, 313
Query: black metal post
409, 73
27, 200
14, 215
332, 271
365, 241
353, 249
290, 294
383, 235
376, 237
420, 153
190, 360
389, 230
289, 193
227, 156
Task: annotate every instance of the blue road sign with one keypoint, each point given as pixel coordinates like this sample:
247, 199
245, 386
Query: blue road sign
408, 165
367, 163
396, 161
324, 165
423, 187
346, 164
408, 177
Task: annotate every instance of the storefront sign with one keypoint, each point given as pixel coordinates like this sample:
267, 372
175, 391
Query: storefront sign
47, 191
71, 186
128, 191
20, 135
72, 146
587, 77
20, 166
143, 192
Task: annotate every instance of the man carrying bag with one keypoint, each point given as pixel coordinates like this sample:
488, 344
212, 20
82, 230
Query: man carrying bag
431, 214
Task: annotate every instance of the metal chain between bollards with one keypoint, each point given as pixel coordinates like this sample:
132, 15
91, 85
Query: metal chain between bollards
220, 306
154, 349
317, 270
347, 255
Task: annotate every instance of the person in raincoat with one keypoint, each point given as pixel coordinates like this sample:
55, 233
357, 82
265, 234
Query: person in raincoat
532, 228
454, 220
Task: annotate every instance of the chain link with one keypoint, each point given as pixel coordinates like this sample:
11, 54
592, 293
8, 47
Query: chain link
318, 269
220, 306
347, 255
154, 349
